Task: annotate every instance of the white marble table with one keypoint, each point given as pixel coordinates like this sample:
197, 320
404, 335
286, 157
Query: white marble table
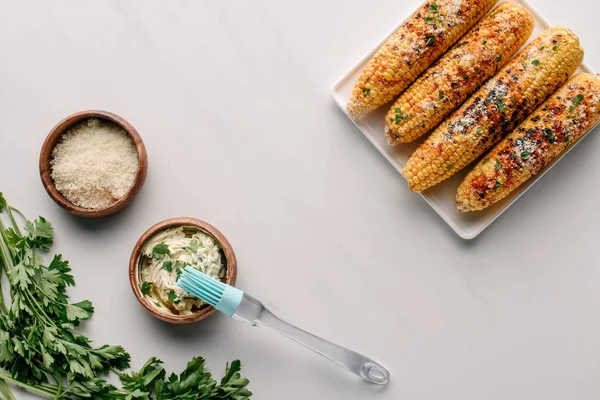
232, 100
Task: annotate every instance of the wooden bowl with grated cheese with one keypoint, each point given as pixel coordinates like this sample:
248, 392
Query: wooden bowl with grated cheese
93, 163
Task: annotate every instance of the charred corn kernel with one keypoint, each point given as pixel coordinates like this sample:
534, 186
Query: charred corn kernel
498, 106
426, 35
566, 116
455, 76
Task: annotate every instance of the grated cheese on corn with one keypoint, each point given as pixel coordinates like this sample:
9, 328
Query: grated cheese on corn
94, 164
496, 108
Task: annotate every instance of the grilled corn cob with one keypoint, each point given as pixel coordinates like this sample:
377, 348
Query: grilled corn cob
426, 35
496, 108
566, 116
465, 67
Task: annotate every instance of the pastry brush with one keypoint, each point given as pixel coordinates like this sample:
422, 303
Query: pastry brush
246, 308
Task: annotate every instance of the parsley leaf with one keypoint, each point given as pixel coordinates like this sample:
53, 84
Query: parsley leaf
81, 310
430, 40
194, 246
535, 62
40, 234
399, 116
449, 165
497, 184
160, 250
366, 90
500, 105
577, 99
549, 134
441, 95
167, 266
172, 296
498, 164
146, 287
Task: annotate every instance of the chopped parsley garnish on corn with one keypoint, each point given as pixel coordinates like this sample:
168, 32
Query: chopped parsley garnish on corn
542, 137
407, 53
491, 108
575, 102
463, 69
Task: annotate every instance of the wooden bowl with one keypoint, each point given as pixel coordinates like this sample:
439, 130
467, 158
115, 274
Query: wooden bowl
134, 272
46, 170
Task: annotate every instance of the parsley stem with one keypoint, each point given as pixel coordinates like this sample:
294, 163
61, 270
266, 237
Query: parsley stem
64, 394
58, 388
4, 246
33, 302
7, 378
48, 297
6, 390
5, 257
12, 221
17, 211
2, 303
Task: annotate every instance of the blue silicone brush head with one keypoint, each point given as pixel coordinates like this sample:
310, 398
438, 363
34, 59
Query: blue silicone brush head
221, 296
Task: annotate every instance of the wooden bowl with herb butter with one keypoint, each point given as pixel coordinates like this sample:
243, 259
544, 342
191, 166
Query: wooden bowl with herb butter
93, 163
159, 257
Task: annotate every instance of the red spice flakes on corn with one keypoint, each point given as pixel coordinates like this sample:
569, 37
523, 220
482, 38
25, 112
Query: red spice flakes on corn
566, 116
496, 108
427, 34
462, 70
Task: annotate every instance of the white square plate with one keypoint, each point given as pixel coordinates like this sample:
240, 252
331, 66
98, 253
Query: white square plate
440, 197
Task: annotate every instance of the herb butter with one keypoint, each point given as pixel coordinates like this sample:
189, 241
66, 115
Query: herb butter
163, 259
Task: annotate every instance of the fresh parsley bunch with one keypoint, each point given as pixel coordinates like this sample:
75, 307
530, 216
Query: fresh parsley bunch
193, 383
38, 341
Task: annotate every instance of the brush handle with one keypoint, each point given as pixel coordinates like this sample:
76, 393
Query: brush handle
255, 313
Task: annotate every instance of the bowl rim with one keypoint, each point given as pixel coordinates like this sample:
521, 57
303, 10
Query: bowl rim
206, 310
46, 170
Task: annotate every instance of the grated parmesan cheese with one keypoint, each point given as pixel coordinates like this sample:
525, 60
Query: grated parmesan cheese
94, 164
455, 6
